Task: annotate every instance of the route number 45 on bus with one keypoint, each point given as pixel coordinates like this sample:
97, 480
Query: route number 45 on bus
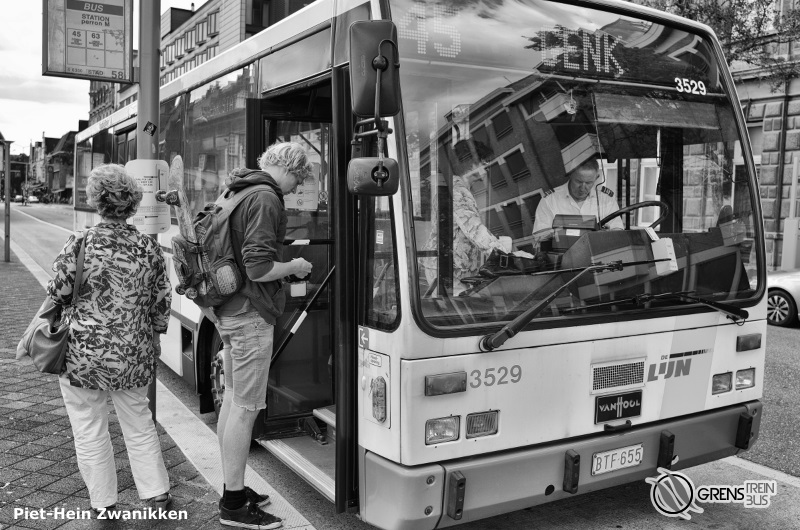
417, 25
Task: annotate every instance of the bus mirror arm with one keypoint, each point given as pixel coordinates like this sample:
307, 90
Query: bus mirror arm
493, 341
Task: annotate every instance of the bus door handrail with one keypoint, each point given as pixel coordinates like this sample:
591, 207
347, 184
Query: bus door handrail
302, 316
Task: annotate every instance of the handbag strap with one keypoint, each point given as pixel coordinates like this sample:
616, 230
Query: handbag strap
79, 270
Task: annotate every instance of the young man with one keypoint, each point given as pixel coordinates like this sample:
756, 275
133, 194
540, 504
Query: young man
246, 321
578, 196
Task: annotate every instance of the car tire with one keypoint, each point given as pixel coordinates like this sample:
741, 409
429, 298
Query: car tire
781, 309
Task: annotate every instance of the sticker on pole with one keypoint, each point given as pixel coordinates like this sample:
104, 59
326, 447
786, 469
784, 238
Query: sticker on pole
152, 217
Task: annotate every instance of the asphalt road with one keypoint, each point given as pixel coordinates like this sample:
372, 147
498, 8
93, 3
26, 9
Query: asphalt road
625, 507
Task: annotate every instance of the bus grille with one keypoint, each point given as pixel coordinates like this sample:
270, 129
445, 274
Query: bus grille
617, 375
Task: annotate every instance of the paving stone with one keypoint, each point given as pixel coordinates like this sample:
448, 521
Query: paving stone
7, 460
28, 449
35, 480
59, 469
58, 454
54, 440
67, 486
32, 464
22, 437
42, 499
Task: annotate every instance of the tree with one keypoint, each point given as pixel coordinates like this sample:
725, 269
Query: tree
754, 35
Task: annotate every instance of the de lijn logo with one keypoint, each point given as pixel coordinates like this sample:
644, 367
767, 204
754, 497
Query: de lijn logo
673, 494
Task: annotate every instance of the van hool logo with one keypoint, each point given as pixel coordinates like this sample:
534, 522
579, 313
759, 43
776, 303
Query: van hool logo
617, 406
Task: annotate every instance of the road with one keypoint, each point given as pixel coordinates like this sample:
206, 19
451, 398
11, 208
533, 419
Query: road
627, 507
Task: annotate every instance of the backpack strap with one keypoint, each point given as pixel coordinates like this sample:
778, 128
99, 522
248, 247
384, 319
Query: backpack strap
231, 202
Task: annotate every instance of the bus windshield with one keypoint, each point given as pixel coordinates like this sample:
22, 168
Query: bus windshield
529, 124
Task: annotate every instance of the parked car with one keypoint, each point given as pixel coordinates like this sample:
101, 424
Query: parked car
18, 198
783, 295
32, 199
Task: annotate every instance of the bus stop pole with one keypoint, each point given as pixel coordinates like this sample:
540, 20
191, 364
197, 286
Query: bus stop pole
7, 165
148, 105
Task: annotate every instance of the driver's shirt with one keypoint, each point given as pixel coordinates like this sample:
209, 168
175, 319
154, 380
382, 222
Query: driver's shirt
560, 202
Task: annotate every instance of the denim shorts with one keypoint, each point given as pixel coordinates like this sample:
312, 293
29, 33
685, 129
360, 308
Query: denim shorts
246, 355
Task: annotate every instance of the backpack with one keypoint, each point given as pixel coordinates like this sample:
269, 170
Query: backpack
214, 249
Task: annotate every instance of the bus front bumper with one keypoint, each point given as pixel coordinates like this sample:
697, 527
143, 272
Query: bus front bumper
459, 491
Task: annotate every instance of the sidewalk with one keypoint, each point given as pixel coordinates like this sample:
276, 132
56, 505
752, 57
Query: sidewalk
38, 469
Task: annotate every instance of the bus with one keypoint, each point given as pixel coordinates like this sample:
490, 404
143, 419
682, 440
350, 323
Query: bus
413, 389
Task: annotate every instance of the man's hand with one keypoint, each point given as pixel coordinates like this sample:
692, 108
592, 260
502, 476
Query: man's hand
301, 267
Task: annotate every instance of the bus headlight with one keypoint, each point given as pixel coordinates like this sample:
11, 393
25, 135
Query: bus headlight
442, 430
745, 378
721, 383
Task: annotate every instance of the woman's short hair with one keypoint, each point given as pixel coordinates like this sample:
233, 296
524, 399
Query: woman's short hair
112, 192
290, 155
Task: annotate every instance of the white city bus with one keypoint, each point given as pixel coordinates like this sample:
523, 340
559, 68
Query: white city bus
423, 395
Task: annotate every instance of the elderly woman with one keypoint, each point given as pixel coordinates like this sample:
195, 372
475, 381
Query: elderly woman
122, 305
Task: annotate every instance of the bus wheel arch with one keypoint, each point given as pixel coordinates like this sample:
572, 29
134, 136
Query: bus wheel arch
210, 374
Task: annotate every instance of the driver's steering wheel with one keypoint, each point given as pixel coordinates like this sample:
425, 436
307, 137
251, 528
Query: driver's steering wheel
665, 211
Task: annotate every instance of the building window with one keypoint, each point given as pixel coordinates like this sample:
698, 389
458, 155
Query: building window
502, 124
179, 47
212, 24
191, 37
212, 51
202, 32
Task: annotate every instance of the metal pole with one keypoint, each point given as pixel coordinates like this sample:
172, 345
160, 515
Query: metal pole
7, 155
148, 105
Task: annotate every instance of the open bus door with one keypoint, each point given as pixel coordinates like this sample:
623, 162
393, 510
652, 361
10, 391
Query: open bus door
299, 425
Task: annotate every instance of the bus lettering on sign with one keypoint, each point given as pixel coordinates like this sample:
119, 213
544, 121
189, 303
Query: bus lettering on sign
578, 50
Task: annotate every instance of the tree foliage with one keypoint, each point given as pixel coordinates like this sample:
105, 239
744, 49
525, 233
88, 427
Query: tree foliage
754, 35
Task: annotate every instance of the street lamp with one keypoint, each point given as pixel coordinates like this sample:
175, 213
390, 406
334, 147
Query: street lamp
6, 154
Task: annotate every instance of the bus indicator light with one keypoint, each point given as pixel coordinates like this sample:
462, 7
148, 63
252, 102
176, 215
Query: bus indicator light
442, 430
721, 383
745, 378
481, 424
748, 342
439, 384
378, 391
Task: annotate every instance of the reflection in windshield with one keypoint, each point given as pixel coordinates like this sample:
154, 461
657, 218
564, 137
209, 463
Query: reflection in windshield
523, 145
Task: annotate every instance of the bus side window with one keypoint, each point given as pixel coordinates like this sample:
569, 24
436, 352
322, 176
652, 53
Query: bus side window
382, 298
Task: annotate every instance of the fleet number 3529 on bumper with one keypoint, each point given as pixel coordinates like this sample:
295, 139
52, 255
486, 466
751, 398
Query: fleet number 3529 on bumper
615, 459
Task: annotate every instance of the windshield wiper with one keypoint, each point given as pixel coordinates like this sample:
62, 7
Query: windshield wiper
732, 312
495, 340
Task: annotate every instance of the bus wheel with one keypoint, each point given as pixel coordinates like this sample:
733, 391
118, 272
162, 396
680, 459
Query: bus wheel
217, 373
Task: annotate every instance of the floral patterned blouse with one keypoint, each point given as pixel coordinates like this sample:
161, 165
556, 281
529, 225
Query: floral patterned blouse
472, 240
124, 297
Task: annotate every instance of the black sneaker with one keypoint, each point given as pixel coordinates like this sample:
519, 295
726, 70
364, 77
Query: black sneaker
253, 497
249, 516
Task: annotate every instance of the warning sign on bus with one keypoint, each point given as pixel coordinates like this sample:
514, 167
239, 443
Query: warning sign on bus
88, 40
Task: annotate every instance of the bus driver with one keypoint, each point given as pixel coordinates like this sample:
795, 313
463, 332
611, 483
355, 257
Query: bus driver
578, 196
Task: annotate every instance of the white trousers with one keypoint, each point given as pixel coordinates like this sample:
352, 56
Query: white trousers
88, 415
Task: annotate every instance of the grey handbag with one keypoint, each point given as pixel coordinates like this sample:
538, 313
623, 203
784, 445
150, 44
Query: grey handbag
46, 337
